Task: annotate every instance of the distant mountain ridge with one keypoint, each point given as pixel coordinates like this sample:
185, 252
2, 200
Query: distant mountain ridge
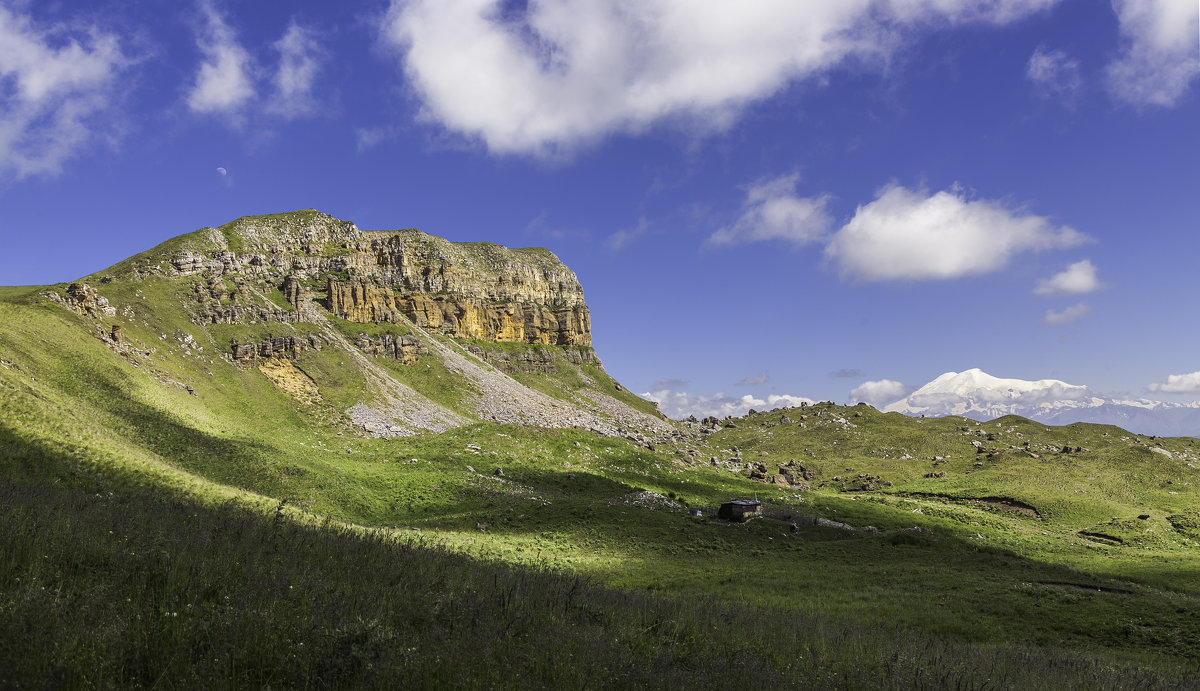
980, 396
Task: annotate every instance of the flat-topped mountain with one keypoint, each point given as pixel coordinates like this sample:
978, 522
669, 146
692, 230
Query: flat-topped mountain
464, 290
426, 334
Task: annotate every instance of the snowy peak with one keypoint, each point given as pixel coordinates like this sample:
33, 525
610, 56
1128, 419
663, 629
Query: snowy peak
980, 396
975, 380
976, 391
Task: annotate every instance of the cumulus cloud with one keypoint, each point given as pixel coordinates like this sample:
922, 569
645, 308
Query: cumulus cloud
1054, 73
787, 401
911, 235
1178, 383
1068, 315
223, 83
680, 404
543, 77
879, 393
772, 211
298, 66
1160, 54
1077, 279
57, 87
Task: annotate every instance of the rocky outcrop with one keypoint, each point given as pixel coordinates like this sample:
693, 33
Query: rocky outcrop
287, 347
463, 290
406, 349
244, 315
292, 291
363, 302
509, 322
533, 360
217, 304
83, 299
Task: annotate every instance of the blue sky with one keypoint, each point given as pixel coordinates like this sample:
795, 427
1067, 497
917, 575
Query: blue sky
831, 200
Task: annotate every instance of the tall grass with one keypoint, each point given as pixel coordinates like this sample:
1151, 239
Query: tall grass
131, 587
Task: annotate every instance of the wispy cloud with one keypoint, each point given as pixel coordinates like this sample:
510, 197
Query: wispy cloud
1068, 315
223, 81
847, 374
912, 235
371, 137
757, 380
229, 80
773, 211
1054, 73
623, 238
298, 66
58, 87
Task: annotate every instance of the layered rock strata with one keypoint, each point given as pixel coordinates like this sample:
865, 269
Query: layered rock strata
216, 304
287, 347
405, 349
463, 290
533, 360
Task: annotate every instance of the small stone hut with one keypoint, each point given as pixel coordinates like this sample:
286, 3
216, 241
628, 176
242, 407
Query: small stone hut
740, 510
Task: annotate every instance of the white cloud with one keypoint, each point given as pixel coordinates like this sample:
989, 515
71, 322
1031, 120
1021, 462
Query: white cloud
680, 404
56, 87
1054, 73
879, 393
772, 211
223, 83
1161, 51
1178, 383
909, 235
298, 66
559, 73
1078, 278
787, 401
226, 82
1068, 315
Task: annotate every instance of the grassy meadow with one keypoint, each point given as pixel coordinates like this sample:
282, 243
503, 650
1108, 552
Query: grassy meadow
234, 536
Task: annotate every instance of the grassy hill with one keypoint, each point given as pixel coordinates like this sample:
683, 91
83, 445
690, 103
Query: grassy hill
177, 517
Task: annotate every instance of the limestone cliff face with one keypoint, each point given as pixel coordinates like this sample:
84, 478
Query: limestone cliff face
464, 290
461, 316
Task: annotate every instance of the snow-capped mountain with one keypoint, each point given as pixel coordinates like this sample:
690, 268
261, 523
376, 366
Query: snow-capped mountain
980, 396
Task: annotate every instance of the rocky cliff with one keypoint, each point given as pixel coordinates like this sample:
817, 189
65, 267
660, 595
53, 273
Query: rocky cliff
480, 291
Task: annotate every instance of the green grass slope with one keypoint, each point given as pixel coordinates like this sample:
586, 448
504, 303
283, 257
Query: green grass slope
582, 540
